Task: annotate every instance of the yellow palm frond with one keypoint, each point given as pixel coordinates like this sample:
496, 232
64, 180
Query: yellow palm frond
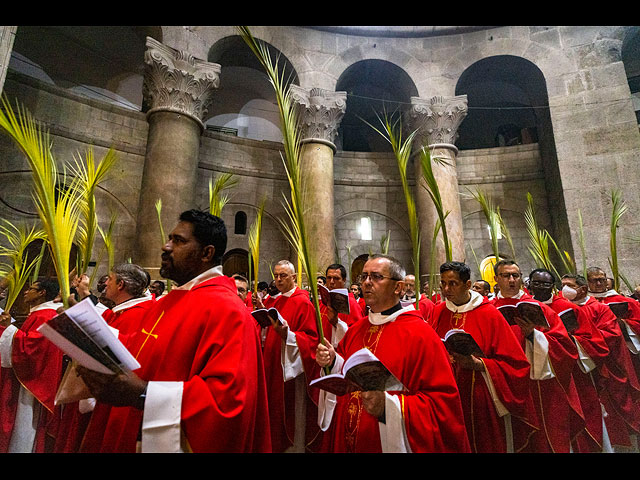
491, 216
618, 209
506, 233
163, 237
218, 198
255, 232
58, 207
433, 190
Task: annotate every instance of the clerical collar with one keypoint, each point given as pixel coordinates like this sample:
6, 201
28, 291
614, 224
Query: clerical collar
131, 302
519, 295
204, 276
581, 302
475, 300
289, 293
390, 314
608, 293
46, 305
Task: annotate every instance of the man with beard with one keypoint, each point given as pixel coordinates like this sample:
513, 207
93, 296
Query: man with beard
201, 384
552, 356
592, 353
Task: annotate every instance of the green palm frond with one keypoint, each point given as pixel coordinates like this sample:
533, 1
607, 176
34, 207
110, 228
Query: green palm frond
402, 147
618, 209
254, 244
218, 198
475, 257
107, 238
506, 233
16, 268
384, 243
59, 209
538, 239
296, 208
163, 237
89, 177
492, 217
434, 192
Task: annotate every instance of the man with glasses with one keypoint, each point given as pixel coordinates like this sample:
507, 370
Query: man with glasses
425, 417
289, 366
552, 356
336, 324
592, 349
31, 373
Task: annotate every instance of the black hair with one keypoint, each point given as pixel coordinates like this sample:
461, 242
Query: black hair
337, 266
543, 270
208, 230
50, 286
503, 262
485, 284
463, 270
263, 285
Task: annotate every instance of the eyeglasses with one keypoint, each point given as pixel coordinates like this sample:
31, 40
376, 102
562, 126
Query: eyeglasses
538, 283
375, 277
598, 280
507, 275
281, 275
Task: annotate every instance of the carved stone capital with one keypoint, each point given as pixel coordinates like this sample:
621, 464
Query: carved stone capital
176, 81
437, 119
320, 113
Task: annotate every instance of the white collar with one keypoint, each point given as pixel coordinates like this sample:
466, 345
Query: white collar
518, 296
131, 302
582, 302
474, 302
204, 276
380, 319
608, 293
46, 305
289, 293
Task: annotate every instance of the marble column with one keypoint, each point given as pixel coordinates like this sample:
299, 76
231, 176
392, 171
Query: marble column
437, 120
320, 113
178, 90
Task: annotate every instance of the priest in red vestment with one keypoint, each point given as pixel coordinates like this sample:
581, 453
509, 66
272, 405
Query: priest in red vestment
618, 385
201, 385
426, 416
31, 372
493, 384
356, 290
334, 325
290, 366
126, 289
552, 356
592, 352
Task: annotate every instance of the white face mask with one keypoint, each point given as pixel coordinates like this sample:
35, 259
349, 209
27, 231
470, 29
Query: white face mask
568, 292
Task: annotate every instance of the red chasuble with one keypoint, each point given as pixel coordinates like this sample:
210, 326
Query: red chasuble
37, 366
205, 338
363, 306
426, 307
507, 366
618, 385
591, 341
299, 313
431, 409
355, 315
556, 399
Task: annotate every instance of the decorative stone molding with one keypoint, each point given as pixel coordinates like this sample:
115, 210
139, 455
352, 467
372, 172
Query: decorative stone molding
320, 113
438, 119
178, 82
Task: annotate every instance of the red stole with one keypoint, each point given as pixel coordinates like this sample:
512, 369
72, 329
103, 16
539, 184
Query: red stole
432, 412
508, 368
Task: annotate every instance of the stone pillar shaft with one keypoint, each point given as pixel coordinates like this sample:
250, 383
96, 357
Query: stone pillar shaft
320, 114
438, 120
177, 92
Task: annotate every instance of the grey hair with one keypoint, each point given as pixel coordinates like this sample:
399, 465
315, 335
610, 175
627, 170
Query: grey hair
134, 277
288, 264
579, 279
396, 270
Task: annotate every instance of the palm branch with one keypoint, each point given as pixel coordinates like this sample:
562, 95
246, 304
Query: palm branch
384, 243
254, 244
294, 226
538, 239
492, 217
618, 209
59, 209
107, 238
434, 192
16, 267
89, 177
392, 132
217, 196
163, 237
506, 233
582, 243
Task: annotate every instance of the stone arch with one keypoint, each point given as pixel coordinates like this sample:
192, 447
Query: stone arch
245, 103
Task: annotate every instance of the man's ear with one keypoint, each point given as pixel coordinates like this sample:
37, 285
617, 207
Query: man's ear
208, 253
399, 287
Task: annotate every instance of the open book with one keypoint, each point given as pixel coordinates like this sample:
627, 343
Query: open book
531, 311
338, 298
264, 315
461, 342
570, 319
82, 333
361, 372
619, 309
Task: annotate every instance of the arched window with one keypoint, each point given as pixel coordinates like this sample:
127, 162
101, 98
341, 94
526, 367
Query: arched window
240, 227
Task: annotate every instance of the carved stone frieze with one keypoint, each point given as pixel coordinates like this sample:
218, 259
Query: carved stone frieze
176, 81
320, 113
438, 119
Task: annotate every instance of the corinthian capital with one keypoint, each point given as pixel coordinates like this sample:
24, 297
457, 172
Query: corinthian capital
176, 81
320, 113
438, 118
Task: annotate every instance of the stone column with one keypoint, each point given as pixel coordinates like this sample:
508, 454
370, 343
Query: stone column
320, 113
178, 90
437, 120
7, 37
